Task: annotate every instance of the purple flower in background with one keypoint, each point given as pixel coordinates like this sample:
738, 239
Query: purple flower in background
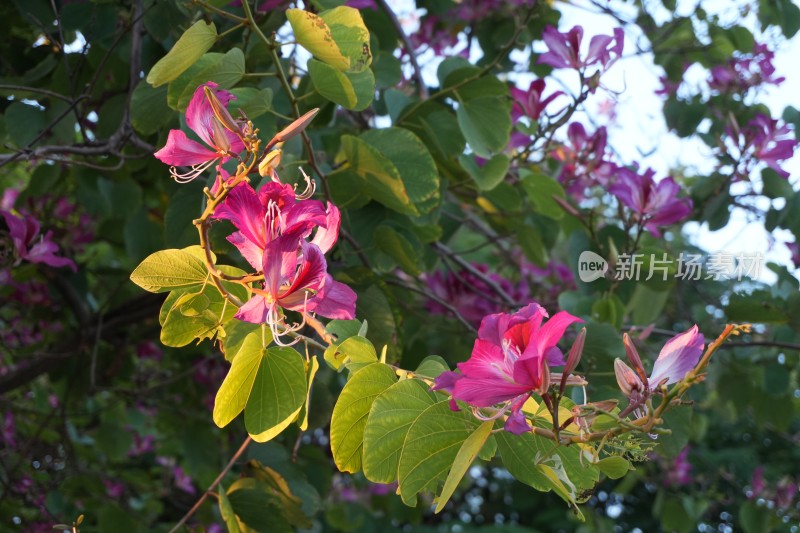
114, 489
785, 492
771, 144
680, 471
677, 358
653, 204
794, 249
668, 88
564, 48
531, 103
746, 71
183, 481
757, 483
9, 431
583, 159
469, 294
509, 361
202, 117
32, 247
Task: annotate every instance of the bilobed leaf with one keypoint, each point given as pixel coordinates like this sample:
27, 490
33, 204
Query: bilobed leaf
337, 37
390, 418
232, 396
486, 123
194, 42
355, 352
431, 367
278, 393
488, 176
466, 455
184, 81
179, 329
168, 270
431, 447
350, 413
349, 90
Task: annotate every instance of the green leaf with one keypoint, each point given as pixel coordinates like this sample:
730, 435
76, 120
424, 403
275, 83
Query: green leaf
149, 109
541, 190
279, 391
253, 102
168, 270
256, 508
398, 247
466, 455
390, 418
268, 384
226, 511
486, 123
232, 396
413, 162
194, 42
350, 414
349, 90
225, 71
355, 352
614, 467
24, 123
311, 372
431, 447
337, 37
488, 176
431, 367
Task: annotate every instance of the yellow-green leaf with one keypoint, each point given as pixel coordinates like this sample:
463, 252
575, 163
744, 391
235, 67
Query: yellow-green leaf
337, 37
466, 455
169, 270
194, 42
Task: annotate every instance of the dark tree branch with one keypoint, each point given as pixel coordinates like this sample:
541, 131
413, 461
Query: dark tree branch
422, 89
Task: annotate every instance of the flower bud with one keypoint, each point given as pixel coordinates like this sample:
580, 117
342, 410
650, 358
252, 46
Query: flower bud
220, 112
627, 379
296, 127
575, 352
270, 162
633, 357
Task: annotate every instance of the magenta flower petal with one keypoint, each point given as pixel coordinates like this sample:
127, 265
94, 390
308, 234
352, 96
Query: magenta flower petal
517, 424
181, 151
328, 233
486, 392
44, 252
335, 300
255, 310
487, 361
678, 356
250, 250
307, 283
245, 211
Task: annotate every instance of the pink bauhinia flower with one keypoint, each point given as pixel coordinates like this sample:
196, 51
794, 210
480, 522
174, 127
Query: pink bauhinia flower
208, 117
29, 245
531, 103
274, 234
677, 358
564, 48
510, 360
653, 204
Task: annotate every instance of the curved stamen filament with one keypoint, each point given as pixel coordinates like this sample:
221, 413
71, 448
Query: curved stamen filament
186, 177
311, 187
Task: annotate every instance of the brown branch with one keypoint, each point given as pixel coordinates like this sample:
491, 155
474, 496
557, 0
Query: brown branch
444, 250
213, 485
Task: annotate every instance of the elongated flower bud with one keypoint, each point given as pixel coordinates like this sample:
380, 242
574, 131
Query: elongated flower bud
629, 383
633, 357
575, 352
220, 112
296, 127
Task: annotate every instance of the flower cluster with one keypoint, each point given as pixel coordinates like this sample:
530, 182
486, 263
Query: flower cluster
762, 140
564, 49
274, 235
652, 204
282, 235
511, 359
745, 72
584, 160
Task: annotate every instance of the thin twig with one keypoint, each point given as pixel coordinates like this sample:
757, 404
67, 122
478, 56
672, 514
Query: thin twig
422, 89
213, 485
